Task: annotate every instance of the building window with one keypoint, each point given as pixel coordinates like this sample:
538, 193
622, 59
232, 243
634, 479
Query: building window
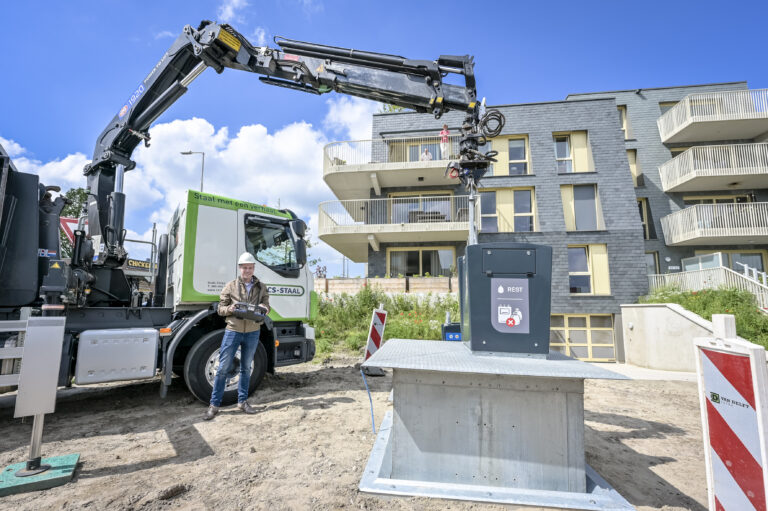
512, 158
642, 205
416, 151
581, 208
518, 156
572, 152
752, 258
421, 261
484, 148
715, 199
623, 121
634, 167
489, 218
665, 106
563, 154
588, 272
586, 337
422, 207
652, 263
508, 210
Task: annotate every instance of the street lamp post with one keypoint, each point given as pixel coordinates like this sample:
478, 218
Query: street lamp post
202, 168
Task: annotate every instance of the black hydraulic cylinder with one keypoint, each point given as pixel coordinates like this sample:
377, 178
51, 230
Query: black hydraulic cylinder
116, 218
319, 50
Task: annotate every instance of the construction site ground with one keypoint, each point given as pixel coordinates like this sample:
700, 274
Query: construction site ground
307, 447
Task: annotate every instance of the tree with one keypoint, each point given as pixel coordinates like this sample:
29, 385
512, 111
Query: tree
76, 197
388, 109
311, 261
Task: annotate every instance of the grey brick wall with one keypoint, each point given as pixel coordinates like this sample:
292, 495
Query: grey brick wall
642, 112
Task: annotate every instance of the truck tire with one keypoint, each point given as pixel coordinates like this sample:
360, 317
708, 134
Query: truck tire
198, 370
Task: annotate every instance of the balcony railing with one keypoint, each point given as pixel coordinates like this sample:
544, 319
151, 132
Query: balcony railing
714, 161
711, 278
338, 155
746, 220
431, 212
714, 106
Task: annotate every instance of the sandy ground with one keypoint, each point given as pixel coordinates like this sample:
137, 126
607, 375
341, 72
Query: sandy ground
309, 445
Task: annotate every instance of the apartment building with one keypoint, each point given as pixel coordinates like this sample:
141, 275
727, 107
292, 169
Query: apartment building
620, 184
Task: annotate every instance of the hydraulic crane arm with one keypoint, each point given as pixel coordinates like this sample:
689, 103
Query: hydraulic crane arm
318, 69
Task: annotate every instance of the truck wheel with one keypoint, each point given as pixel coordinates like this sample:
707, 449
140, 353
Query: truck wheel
203, 360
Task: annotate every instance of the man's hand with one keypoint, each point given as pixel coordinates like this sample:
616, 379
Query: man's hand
266, 309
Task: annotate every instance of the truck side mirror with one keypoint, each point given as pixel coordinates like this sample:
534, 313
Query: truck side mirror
301, 252
299, 227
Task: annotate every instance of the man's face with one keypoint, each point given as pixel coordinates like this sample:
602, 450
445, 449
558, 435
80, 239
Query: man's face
246, 271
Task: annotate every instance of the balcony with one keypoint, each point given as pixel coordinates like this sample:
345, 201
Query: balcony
350, 226
717, 167
352, 168
705, 117
717, 224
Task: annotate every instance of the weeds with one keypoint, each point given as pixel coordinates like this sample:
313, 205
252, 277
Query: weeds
343, 320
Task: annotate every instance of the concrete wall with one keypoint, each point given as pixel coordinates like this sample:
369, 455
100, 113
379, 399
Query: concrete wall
660, 336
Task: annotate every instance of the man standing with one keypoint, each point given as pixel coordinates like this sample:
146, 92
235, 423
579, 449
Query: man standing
444, 142
242, 333
426, 155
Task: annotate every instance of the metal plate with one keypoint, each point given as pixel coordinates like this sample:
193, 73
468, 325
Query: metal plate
376, 479
39, 374
116, 354
455, 357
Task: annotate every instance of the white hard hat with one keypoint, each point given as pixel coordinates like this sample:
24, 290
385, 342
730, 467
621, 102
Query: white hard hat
246, 258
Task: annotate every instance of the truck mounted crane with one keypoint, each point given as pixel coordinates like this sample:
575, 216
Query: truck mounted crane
91, 290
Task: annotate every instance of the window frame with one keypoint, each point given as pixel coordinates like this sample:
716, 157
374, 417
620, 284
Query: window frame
634, 167
669, 104
420, 249
555, 136
420, 194
728, 253
643, 203
515, 214
527, 162
588, 273
624, 121
715, 197
488, 215
570, 196
588, 343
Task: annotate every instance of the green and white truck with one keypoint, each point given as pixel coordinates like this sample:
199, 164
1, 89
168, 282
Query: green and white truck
206, 235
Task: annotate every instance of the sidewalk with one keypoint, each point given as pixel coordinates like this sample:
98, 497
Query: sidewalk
641, 373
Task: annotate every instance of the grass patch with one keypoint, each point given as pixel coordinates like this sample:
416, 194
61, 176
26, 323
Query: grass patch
751, 324
343, 320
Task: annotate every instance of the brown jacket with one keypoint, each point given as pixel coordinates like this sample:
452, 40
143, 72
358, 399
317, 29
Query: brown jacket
234, 292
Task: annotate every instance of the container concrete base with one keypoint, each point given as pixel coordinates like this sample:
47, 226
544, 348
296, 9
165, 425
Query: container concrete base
599, 495
487, 427
61, 472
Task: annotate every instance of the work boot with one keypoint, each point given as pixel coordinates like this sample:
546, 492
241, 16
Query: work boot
245, 407
211, 412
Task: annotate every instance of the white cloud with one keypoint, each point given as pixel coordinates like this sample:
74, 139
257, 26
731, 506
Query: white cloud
229, 10
259, 36
12, 148
350, 117
311, 6
254, 164
164, 34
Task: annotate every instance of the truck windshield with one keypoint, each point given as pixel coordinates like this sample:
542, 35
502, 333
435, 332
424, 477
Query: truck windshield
272, 245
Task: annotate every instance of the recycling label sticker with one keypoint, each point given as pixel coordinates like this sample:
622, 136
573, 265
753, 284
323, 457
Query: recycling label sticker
510, 312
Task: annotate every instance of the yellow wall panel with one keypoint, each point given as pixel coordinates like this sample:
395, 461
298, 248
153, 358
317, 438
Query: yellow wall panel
581, 156
566, 192
601, 279
506, 210
501, 167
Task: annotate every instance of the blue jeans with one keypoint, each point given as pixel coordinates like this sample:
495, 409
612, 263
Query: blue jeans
248, 342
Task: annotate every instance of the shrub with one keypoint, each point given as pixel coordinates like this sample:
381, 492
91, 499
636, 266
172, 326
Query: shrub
751, 324
343, 320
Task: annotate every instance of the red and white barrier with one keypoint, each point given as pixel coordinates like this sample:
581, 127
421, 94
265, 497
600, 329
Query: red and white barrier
375, 332
733, 388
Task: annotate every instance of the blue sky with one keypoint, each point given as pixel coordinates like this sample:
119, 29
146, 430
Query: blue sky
69, 66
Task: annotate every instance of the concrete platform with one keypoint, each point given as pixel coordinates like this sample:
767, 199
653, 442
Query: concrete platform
599, 495
488, 427
61, 472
